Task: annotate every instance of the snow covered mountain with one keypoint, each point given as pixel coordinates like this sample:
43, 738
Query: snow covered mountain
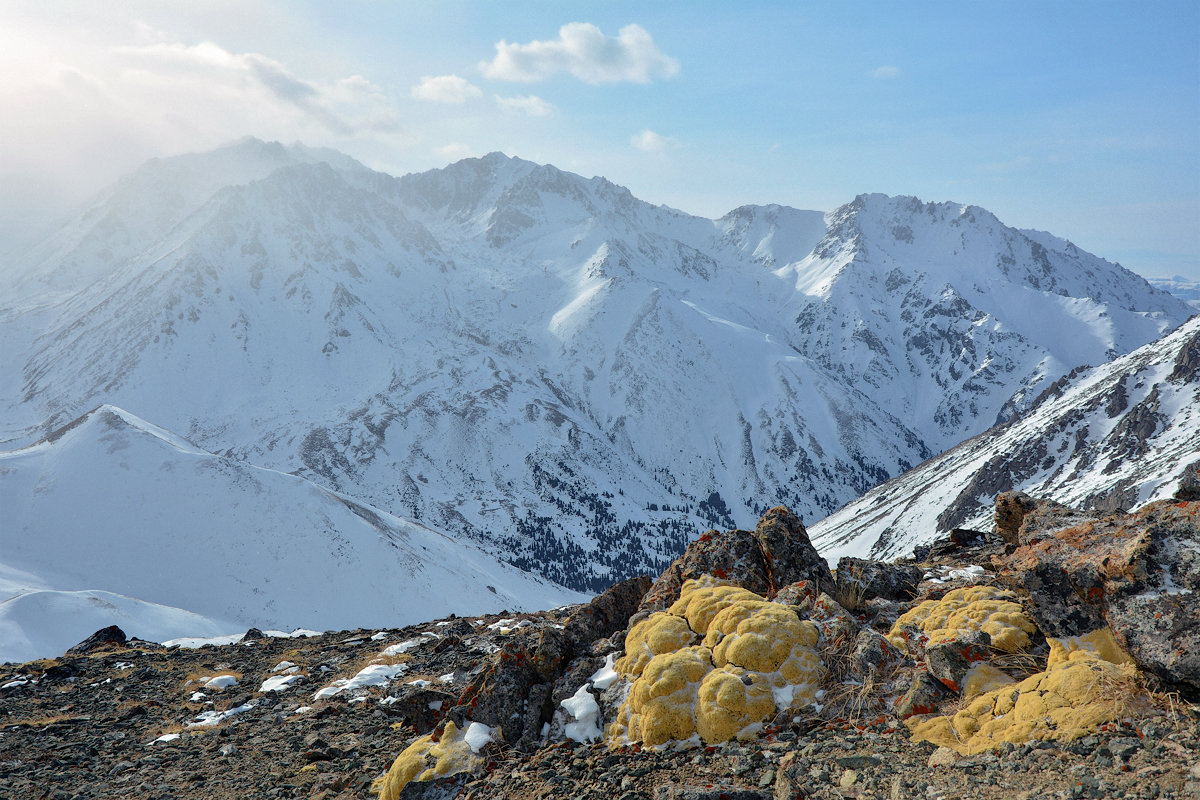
114, 512
1186, 290
569, 377
1114, 436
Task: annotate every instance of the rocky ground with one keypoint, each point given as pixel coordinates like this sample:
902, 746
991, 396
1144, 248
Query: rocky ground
323, 716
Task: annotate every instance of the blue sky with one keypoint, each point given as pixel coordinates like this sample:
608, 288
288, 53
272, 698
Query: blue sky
1081, 118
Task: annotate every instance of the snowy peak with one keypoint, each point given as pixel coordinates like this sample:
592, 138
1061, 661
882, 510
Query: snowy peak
140, 209
91, 506
952, 318
108, 419
1110, 437
773, 235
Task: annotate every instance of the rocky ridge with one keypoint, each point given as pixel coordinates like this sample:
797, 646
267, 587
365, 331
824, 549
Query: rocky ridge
324, 716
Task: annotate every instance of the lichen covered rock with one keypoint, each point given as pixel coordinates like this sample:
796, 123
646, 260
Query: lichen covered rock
1137, 573
662, 701
1079, 692
755, 659
429, 757
859, 577
732, 704
659, 633
776, 553
964, 611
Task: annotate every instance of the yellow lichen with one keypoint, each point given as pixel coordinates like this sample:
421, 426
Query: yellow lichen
703, 598
426, 759
967, 610
756, 658
1079, 691
657, 634
983, 677
732, 704
1101, 642
661, 703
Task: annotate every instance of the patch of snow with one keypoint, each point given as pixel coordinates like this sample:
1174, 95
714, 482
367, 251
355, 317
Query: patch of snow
477, 735
221, 682
402, 647
209, 718
279, 683
585, 716
607, 675
373, 675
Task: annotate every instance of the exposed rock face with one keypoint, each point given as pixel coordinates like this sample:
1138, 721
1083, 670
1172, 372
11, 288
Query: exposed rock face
515, 689
1138, 573
872, 579
1189, 483
103, 638
1021, 519
777, 553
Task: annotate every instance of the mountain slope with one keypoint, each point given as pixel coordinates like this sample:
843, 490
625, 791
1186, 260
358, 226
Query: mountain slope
573, 379
1114, 436
952, 320
114, 504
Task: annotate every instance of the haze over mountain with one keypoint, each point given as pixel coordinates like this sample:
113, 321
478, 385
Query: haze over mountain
540, 363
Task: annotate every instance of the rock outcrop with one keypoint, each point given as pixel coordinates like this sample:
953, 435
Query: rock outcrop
776, 553
1137, 573
967, 673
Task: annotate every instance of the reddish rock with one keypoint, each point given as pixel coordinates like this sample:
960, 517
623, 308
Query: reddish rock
1138, 573
950, 661
924, 696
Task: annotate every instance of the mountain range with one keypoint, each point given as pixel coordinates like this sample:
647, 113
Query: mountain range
533, 363
1102, 439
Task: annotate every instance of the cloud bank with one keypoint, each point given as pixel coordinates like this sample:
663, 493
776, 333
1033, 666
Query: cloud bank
446, 89
583, 50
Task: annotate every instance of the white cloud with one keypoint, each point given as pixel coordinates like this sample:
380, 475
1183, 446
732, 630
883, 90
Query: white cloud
886, 71
530, 104
455, 151
650, 142
81, 105
446, 89
209, 71
585, 52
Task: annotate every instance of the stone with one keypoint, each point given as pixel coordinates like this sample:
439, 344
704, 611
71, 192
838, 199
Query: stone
874, 657
950, 661
925, 694
421, 707
112, 636
708, 792
867, 580
1189, 483
1011, 508
605, 614
1138, 573
776, 553
789, 553
958, 544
